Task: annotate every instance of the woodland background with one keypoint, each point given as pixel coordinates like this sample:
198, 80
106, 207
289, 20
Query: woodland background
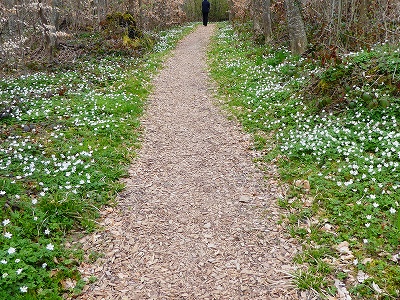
326, 106
47, 30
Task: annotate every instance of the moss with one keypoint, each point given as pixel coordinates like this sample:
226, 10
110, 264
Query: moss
119, 24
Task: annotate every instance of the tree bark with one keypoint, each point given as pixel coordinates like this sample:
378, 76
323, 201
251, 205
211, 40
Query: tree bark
48, 31
56, 13
297, 33
266, 17
131, 7
339, 20
12, 19
141, 18
256, 16
231, 10
364, 4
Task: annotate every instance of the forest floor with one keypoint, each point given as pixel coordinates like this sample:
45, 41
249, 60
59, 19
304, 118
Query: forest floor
198, 219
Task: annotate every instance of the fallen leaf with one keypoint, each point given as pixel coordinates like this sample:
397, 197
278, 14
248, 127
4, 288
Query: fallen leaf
361, 276
376, 288
367, 260
342, 292
244, 199
343, 247
68, 284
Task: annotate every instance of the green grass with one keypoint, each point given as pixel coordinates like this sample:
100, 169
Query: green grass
335, 127
66, 138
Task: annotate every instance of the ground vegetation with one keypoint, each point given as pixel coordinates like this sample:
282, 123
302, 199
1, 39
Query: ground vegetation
66, 138
333, 131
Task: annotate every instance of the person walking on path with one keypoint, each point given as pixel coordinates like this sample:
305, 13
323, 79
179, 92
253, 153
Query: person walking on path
205, 8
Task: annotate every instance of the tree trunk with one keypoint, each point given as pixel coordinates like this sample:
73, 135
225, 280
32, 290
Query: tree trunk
12, 19
353, 12
297, 33
231, 10
141, 18
164, 15
339, 20
364, 4
363, 8
56, 7
56, 14
102, 10
131, 7
256, 16
48, 31
20, 29
266, 18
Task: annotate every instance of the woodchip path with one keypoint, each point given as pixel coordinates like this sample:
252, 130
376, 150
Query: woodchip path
197, 219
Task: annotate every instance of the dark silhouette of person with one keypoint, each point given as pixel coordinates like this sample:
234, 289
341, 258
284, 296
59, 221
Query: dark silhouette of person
205, 8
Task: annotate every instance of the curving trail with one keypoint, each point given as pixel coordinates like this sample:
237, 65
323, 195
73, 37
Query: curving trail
190, 224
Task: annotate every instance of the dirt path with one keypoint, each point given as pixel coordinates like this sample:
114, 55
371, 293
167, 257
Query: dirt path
189, 224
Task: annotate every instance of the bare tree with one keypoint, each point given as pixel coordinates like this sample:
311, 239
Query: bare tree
364, 8
48, 30
256, 13
266, 20
131, 7
231, 10
297, 32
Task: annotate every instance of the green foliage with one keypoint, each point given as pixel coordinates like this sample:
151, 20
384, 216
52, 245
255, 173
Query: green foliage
67, 138
369, 78
315, 275
335, 129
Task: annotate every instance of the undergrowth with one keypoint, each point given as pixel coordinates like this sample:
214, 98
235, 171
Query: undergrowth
66, 137
332, 128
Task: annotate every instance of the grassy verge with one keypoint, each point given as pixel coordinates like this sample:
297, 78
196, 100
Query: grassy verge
333, 131
66, 138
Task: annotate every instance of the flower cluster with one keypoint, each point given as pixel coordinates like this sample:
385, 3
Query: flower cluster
166, 39
14, 265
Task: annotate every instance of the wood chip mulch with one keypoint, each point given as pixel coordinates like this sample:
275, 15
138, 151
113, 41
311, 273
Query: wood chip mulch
197, 219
